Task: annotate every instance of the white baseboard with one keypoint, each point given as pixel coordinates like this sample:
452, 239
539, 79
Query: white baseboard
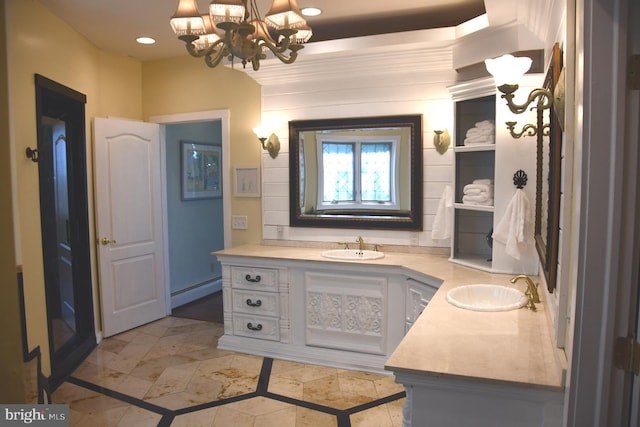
196, 292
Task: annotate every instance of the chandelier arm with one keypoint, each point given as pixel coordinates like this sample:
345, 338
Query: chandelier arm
278, 51
212, 59
283, 44
193, 51
255, 62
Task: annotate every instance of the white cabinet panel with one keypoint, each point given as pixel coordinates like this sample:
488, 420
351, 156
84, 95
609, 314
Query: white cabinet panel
346, 311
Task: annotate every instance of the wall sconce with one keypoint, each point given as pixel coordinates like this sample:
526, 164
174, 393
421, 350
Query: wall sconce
270, 143
441, 140
507, 70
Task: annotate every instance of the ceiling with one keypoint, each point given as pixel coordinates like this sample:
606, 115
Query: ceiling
113, 25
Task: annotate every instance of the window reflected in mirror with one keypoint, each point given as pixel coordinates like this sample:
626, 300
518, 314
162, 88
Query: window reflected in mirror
357, 173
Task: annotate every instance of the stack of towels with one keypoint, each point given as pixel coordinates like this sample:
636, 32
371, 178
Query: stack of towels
483, 132
479, 192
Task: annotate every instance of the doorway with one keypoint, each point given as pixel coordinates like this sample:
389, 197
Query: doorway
61, 158
221, 116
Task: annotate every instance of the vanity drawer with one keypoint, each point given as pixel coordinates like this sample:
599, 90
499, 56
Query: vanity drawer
255, 302
266, 328
254, 278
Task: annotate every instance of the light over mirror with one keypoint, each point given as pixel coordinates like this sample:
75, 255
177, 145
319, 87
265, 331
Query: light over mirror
361, 172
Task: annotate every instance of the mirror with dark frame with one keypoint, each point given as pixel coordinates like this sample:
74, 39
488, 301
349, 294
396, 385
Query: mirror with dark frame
360, 173
549, 158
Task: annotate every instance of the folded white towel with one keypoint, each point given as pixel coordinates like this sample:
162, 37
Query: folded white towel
479, 132
476, 189
487, 194
482, 197
483, 139
515, 229
485, 181
441, 228
486, 124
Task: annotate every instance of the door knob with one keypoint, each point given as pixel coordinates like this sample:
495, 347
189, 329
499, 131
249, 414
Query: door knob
106, 241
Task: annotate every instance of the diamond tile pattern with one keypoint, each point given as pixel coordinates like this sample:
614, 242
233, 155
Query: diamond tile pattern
170, 373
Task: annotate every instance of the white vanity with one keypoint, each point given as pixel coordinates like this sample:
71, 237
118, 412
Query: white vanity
318, 311
459, 367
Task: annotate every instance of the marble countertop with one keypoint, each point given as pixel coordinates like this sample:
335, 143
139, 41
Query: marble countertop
512, 347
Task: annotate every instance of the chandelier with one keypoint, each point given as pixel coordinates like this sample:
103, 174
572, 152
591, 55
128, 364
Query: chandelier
234, 29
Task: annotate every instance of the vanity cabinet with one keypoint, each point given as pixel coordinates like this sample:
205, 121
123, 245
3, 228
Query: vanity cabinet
497, 159
347, 315
256, 301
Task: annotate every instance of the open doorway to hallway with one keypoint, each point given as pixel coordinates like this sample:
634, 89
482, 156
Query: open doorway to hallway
205, 124
195, 216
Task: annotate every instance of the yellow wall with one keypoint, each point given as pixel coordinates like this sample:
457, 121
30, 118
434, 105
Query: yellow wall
185, 84
39, 42
11, 375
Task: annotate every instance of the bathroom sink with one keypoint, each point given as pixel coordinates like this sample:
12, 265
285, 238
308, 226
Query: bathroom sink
352, 254
480, 297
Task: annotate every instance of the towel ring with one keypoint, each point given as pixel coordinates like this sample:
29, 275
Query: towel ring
520, 178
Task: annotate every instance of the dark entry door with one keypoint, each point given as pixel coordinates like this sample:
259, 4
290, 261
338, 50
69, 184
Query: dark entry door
65, 225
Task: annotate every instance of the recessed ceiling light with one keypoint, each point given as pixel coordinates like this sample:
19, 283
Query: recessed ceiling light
145, 40
311, 11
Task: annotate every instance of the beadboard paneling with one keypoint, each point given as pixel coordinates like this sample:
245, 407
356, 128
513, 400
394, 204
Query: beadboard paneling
408, 81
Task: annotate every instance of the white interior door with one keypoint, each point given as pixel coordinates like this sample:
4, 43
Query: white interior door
130, 243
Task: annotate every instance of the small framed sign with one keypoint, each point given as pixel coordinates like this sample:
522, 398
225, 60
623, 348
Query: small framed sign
247, 181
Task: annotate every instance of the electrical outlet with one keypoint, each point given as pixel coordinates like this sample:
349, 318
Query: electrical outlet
280, 231
415, 239
239, 222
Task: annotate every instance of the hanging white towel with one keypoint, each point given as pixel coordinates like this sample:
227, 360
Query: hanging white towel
515, 229
441, 228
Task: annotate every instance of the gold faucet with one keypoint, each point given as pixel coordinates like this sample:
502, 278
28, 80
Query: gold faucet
532, 290
360, 243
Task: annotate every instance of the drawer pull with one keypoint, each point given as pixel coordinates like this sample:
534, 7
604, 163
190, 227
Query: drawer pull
258, 303
258, 327
250, 279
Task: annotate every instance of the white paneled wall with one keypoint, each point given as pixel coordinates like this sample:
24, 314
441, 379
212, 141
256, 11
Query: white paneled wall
411, 79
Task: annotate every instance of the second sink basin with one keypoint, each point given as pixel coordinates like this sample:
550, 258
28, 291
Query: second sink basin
352, 254
481, 297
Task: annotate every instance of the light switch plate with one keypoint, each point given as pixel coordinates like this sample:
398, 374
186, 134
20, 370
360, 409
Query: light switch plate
239, 222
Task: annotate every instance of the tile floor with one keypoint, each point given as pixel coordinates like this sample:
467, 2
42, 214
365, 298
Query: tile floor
170, 373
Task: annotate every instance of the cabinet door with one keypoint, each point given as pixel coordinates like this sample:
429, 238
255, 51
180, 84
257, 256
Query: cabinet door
418, 297
346, 311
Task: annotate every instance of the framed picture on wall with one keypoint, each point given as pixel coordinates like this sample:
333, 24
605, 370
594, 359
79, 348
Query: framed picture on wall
201, 170
247, 181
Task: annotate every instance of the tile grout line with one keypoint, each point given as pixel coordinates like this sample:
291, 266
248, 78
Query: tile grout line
168, 415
